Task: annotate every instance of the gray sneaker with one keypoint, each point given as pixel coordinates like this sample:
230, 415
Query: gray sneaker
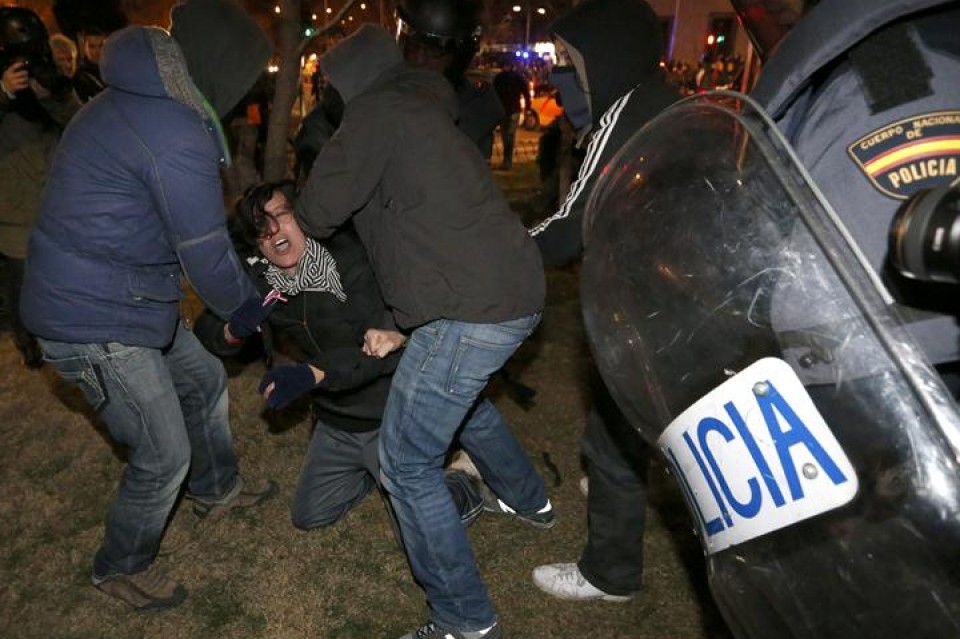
237, 499
150, 589
543, 518
432, 631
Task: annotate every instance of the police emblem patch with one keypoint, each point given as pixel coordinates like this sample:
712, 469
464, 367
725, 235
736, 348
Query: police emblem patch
911, 154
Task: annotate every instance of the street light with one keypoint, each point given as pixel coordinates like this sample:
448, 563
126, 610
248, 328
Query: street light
517, 9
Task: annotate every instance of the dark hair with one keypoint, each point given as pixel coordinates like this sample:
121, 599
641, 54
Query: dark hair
250, 220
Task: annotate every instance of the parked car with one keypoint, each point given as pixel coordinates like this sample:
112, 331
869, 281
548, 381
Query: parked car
545, 108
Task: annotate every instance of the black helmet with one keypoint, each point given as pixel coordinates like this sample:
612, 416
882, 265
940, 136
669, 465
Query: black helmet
450, 25
22, 35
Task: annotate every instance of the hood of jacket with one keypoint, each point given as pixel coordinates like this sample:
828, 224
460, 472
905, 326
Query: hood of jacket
371, 56
824, 34
355, 63
147, 61
225, 49
619, 42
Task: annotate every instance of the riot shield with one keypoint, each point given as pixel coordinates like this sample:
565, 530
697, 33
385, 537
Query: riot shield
738, 329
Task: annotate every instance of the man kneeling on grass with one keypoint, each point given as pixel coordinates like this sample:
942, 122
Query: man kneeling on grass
331, 300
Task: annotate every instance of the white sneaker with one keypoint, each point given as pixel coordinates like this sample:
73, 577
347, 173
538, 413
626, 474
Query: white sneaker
585, 486
564, 581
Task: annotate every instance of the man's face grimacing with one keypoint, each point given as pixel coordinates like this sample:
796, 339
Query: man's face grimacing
282, 242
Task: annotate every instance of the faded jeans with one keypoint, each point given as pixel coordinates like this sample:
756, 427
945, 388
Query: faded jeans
436, 394
168, 409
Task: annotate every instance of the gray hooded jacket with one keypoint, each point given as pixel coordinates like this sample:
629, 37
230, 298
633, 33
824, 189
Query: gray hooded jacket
442, 239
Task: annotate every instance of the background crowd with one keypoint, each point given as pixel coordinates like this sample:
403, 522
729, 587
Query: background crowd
373, 261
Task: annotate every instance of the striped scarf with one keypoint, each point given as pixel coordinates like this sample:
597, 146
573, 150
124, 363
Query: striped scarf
316, 271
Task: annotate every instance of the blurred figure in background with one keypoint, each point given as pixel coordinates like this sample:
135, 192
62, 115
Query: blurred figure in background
64, 54
87, 81
513, 89
35, 104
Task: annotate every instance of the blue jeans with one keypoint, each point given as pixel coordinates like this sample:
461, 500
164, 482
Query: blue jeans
436, 395
168, 409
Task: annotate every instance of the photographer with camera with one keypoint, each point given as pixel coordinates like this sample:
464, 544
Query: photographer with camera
35, 105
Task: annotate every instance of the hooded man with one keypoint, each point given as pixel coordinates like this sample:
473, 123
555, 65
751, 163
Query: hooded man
462, 277
609, 78
134, 199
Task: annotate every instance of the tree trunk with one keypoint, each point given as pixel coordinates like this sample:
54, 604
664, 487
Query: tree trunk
275, 164
290, 47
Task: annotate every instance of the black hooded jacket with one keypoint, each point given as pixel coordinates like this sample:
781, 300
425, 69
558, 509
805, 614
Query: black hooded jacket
619, 42
442, 239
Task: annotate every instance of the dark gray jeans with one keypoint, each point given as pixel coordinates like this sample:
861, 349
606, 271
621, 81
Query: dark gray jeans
340, 468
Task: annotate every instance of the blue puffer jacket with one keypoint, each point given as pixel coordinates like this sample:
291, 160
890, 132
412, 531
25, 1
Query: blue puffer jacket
134, 196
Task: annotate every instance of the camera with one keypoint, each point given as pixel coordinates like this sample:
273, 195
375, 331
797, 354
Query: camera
924, 240
23, 37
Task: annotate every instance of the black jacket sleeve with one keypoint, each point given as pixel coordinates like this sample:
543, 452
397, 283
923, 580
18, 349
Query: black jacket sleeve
348, 369
560, 236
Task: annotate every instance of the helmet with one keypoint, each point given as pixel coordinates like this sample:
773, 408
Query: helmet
767, 21
442, 35
22, 36
444, 24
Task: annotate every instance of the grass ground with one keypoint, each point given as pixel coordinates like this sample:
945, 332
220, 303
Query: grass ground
254, 575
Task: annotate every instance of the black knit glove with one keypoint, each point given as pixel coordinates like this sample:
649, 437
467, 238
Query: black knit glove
289, 382
247, 319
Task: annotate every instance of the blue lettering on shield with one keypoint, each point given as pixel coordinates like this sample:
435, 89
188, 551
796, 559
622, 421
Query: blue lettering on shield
786, 431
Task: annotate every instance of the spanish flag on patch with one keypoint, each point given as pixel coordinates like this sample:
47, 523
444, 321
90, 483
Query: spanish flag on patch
911, 154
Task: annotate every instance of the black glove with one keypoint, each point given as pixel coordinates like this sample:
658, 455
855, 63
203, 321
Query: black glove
290, 382
247, 319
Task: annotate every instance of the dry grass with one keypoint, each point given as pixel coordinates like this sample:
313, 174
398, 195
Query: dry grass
253, 575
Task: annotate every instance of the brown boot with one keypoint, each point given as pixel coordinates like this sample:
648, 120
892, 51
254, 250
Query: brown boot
239, 498
150, 589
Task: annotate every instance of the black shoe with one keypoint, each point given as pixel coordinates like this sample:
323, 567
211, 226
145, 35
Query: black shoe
543, 518
468, 494
30, 353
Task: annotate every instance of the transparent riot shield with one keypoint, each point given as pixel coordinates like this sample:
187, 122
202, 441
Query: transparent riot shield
738, 329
